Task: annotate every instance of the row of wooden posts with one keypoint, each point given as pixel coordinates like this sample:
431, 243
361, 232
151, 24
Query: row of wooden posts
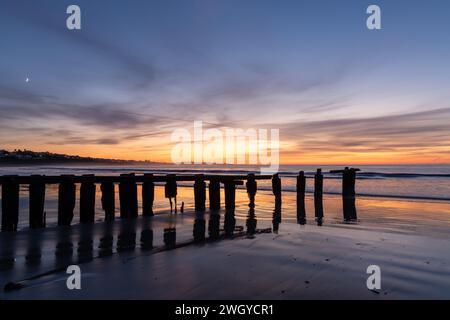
128, 197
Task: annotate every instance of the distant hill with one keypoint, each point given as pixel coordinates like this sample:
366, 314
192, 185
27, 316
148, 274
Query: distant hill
32, 157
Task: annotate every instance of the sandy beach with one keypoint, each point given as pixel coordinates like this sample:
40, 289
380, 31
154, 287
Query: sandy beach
407, 240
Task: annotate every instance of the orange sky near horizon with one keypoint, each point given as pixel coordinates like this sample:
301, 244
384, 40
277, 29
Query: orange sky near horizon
287, 156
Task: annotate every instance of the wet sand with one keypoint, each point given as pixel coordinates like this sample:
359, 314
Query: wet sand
409, 241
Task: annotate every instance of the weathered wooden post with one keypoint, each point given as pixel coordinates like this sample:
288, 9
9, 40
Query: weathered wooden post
348, 192
352, 194
124, 197
276, 188
10, 204
200, 193
66, 200
318, 196
251, 186
148, 195
87, 199
133, 198
37, 200
128, 196
108, 200
214, 194
230, 206
301, 189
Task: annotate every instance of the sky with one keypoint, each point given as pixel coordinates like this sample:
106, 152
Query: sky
138, 70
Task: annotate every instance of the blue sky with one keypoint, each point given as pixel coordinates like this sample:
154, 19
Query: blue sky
139, 69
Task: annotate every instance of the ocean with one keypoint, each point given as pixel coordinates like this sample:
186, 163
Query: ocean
426, 182
384, 193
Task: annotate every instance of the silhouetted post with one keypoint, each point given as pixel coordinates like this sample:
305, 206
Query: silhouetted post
252, 187
352, 194
214, 194
87, 199
170, 190
108, 200
301, 188
10, 204
318, 196
200, 193
133, 198
37, 200
230, 195
276, 188
66, 200
124, 197
199, 228
148, 195
348, 192
128, 196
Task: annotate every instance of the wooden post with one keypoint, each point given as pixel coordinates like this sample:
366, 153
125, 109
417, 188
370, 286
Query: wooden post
108, 200
87, 200
128, 196
123, 197
318, 196
66, 200
301, 188
214, 194
200, 193
148, 195
133, 196
352, 194
348, 192
10, 205
37, 200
